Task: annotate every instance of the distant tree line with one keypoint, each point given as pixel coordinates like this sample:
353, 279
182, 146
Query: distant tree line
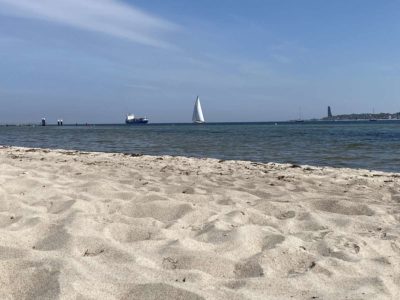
365, 116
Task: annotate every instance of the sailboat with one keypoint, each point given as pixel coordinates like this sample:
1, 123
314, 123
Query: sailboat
198, 117
373, 119
299, 120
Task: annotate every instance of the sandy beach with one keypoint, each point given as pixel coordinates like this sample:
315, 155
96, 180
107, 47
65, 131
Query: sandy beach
79, 225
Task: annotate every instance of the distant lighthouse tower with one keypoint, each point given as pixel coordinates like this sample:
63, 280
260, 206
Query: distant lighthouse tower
329, 112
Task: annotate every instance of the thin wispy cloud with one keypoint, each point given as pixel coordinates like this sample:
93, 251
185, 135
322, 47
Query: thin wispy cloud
142, 86
281, 58
8, 40
110, 17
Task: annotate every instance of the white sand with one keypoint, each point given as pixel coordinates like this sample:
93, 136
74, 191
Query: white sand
112, 226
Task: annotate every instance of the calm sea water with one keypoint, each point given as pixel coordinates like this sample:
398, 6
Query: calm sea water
369, 145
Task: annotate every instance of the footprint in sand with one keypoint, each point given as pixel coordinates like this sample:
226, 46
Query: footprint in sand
202, 261
272, 241
343, 207
156, 291
163, 211
30, 280
56, 238
248, 269
125, 233
286, 215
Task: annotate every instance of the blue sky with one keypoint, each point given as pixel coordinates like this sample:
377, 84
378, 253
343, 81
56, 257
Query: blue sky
255, 60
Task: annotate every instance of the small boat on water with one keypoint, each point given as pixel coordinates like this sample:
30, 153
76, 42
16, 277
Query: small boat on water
132, 120
300, 119
373, 119
198, 117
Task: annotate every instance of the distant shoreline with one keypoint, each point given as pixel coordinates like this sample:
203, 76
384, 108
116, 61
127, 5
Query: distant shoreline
309, 121
364, 116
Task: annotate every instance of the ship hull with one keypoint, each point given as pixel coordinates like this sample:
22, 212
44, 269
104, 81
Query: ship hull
136, 122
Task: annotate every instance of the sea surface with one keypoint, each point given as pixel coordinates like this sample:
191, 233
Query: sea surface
367, 145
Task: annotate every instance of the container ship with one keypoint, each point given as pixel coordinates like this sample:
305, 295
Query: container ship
132, 120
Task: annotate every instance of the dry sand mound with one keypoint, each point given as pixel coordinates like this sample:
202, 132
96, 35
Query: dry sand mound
112, 226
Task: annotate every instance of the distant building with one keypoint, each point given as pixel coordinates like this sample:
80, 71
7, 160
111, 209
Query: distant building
329, 112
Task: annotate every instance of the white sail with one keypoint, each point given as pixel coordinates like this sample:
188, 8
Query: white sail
197, 112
